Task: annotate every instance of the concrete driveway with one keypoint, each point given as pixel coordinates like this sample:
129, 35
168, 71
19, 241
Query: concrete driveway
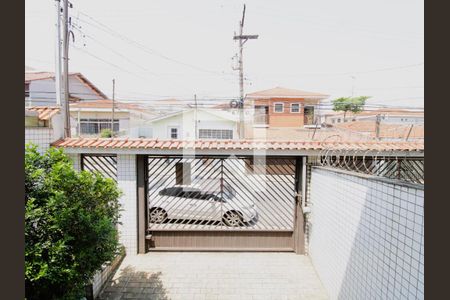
215, 275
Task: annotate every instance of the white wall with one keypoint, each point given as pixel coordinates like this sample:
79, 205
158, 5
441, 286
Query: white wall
126, 180
366, 236
186, 124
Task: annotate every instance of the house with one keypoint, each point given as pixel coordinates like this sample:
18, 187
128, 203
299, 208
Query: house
388, 116
193, 123
43, 126
91, 117
40, 89
283, 107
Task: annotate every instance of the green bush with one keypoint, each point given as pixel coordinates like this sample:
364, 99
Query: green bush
70, 225
106, 133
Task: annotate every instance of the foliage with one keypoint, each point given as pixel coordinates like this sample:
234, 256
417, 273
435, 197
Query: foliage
353, 104
70, 225
106, 133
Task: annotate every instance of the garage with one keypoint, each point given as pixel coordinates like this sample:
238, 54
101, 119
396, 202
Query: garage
221, 203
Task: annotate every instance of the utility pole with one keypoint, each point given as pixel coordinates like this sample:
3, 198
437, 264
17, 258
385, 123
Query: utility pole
409, 132
353, 84
242, 39
377, 126
113, 106
65, 74
58, 53
195, 117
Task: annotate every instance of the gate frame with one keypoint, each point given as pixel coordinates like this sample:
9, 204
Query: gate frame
142, 194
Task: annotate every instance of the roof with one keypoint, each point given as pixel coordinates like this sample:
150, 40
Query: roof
44, 112
104, 103
382, 111
398, 131
280, 92
132, 143
32, 76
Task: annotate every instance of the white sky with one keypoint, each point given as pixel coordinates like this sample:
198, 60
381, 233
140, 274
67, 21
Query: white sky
309, 45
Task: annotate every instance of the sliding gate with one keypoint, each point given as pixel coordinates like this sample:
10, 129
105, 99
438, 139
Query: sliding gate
217, 203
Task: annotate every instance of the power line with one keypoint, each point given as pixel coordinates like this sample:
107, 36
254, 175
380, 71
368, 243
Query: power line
144, 48
109, 63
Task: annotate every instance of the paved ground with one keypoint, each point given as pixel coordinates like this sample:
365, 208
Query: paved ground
215, 275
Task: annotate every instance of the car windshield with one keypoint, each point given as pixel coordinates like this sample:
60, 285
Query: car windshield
189, 192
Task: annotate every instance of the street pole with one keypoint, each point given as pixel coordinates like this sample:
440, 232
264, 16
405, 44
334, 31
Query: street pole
65, 102
113, 106
242, 39
195, 117
58, 53
377, 126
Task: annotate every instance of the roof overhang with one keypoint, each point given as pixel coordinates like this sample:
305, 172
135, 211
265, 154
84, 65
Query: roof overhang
237, 147
286, 97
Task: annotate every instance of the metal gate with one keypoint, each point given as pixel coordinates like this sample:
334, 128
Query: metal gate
221, 203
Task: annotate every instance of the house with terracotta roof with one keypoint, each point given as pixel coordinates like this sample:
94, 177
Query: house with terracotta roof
284, 107
40, 89
91, 117
43, 125
269, 112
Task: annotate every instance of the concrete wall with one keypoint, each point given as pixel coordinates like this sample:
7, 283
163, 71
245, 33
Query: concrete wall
366, 236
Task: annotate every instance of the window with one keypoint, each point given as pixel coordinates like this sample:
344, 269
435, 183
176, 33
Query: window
220, 134
278, 107
95, 126
261, 115
295, 107
173, 132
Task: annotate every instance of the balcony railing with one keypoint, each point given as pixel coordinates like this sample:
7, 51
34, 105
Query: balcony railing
261, 119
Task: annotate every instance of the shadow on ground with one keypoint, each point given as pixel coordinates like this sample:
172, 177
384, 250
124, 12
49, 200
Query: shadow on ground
128, 283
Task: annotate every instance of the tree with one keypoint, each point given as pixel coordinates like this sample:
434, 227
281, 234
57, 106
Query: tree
70, 225
353, 104
106, 133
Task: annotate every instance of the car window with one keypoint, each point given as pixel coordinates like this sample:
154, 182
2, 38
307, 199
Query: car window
172, 191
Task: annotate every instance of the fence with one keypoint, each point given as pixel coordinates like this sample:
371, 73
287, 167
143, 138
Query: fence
104, 164
409, 169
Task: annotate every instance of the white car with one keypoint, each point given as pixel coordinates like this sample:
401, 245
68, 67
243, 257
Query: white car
192, 203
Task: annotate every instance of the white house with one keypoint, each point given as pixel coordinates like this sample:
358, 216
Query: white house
193, 123
40, 89
91, 117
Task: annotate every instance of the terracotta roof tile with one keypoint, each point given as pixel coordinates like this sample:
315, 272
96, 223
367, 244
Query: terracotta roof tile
281, 92
45, 112
115, 143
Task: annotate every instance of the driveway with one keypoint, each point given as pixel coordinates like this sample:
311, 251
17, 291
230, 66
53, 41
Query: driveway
215, 275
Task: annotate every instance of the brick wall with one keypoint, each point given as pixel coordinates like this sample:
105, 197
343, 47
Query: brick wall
366, 236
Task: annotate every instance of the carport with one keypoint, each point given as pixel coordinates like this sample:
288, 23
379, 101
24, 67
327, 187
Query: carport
209, 195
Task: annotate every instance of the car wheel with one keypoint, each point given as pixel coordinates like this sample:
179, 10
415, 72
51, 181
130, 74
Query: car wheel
232, 218
157, 215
